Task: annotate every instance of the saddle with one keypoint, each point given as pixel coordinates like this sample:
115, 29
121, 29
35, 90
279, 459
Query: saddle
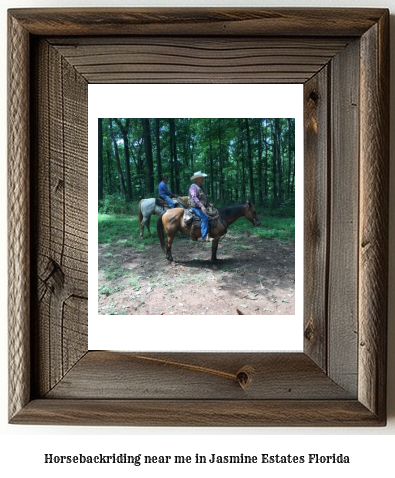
192, 220
163, 204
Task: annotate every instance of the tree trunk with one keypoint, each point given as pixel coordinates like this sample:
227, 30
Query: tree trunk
221, 162
176, 165
192, 145
124, 130
175, 171
158, 157
211, 159
171, 125
243, 178
260, 154
118, 162
149, 164
111, 187
250, 163
290, 149
279, 161
266, 168
274, 165
100, 158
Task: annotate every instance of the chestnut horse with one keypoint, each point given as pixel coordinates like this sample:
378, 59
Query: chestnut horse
172, 221
149, 206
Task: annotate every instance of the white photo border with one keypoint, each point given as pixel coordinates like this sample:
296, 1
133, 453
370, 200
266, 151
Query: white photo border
172, 333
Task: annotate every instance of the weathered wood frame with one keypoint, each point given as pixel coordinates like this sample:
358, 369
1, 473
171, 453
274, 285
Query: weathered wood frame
342, 57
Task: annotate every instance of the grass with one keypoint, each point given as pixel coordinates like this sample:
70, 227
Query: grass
272, 227
241, 246
107, 290
123, 229
135, 283
113, 271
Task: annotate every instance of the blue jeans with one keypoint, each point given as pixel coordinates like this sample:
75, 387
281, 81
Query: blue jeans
169, 201
204, 220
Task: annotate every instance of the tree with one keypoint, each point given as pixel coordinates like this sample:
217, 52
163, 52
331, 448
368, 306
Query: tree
100, 164
158, 157
175, 172
124, 128
244, 157
149, 165
291, 154
250, 162
118, 162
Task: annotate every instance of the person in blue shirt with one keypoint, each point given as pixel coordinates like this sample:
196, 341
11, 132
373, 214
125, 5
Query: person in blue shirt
165, 193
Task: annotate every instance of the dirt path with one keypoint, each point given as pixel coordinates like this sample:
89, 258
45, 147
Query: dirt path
255, 276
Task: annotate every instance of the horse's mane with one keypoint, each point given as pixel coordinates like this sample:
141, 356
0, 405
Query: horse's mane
231, 211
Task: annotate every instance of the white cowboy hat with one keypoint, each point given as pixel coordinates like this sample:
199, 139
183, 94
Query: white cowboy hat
199, 174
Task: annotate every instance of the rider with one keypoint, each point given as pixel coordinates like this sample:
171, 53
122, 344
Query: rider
198, 202
164, 192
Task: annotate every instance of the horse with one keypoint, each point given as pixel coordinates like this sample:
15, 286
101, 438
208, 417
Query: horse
150, 206
172, 221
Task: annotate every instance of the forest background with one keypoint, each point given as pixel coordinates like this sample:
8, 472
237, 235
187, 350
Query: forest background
244, 158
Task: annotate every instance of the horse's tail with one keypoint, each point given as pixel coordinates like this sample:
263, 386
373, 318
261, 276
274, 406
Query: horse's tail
161, 232
140, 213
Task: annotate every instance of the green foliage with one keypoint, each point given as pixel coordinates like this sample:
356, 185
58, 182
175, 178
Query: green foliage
276, 224
115, 204
124, 230
107, 290
245, 158
282, 229
112, 228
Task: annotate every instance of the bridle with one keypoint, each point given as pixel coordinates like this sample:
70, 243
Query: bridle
253, 215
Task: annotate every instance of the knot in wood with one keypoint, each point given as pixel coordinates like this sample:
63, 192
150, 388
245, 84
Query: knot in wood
244, 376
313, 96
308, 332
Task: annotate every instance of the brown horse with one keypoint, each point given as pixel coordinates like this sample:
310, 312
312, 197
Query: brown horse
172, 221
150, 206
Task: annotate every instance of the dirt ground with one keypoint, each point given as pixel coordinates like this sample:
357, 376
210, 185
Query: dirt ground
254, 276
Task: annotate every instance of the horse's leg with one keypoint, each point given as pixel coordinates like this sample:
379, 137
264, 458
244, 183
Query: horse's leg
169, 257
142, 224
214, 247
148, 225
140, 215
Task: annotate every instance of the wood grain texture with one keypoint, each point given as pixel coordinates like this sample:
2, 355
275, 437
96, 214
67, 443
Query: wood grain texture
345, 325
343, 253
61, 225
373, 228
18, 214
202, 413
317, 209
196, 376
164, 59
260, 22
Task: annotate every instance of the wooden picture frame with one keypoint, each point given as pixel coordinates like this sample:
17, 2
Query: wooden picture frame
342, 58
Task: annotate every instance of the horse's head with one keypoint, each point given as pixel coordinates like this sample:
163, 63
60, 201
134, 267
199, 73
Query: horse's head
251, 214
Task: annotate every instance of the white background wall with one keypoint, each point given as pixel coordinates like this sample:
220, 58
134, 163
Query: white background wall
23, 448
